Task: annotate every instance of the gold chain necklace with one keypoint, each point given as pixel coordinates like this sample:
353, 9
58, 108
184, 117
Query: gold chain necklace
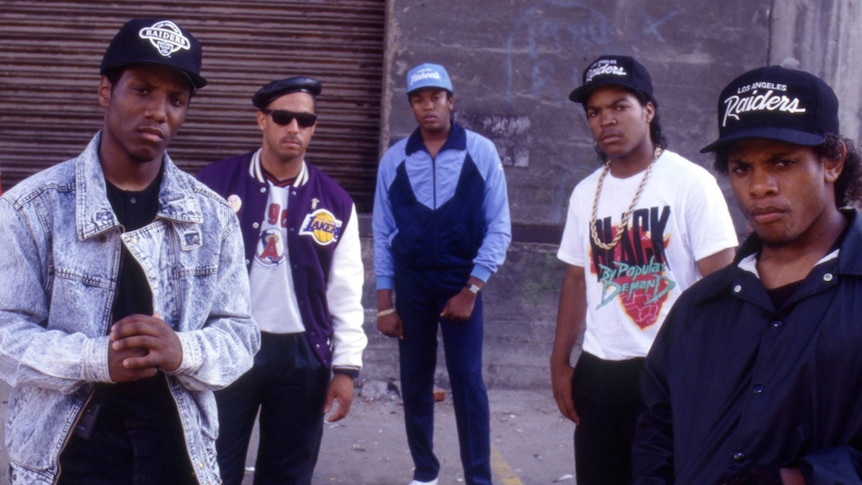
624, 222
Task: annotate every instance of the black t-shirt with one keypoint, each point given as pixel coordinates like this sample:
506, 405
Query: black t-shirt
146, 399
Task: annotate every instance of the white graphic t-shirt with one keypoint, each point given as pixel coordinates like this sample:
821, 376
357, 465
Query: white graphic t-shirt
273, 301
680, 218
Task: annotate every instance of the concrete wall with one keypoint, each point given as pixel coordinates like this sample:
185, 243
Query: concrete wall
823, 37
513, 64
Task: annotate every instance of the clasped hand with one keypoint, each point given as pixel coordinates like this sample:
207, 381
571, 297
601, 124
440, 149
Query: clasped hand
140, 346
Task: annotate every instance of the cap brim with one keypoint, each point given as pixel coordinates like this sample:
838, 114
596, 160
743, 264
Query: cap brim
578, 95
581, 94
435, 88
789, 135
196, 79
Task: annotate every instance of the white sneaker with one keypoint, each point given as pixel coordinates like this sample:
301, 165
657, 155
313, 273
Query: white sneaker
417, 482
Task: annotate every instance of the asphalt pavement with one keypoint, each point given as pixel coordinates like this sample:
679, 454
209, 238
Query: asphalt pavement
531, 444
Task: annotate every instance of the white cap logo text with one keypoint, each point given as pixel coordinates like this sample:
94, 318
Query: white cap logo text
605, 69
747, 100
166, 37
424, 74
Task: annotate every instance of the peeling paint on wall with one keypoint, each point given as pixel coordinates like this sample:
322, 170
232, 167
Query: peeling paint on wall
510, 134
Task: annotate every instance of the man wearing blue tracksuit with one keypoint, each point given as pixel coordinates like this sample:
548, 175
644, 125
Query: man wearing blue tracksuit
441, 229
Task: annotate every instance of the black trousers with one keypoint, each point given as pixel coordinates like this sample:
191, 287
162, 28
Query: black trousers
288, 385
127, 451
608, 400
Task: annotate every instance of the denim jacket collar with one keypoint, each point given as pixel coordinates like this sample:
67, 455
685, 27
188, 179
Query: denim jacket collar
93, 210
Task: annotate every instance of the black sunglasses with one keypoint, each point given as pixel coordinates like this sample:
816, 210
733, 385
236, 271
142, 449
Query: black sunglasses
283, 117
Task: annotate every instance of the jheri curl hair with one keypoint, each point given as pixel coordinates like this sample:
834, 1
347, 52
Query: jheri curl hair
655, 134
848, 187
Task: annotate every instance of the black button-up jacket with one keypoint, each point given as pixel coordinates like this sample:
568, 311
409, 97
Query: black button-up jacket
733, 384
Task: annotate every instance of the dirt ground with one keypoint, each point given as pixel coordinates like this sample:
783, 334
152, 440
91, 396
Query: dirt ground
531, 443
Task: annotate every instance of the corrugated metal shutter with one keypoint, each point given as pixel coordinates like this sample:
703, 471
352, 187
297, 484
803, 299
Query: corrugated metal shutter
50, 52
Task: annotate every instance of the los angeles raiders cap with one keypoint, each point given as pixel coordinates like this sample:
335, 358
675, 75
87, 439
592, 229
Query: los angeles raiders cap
153, 41
778, 104
622, 71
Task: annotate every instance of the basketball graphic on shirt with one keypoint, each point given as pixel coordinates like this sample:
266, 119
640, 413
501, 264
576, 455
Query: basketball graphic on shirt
322, 226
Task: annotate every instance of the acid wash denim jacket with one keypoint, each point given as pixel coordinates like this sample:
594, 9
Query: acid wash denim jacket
60, 246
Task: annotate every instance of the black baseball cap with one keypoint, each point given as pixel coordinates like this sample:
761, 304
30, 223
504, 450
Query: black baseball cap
154, 41
275, 89
778, 104
623, 71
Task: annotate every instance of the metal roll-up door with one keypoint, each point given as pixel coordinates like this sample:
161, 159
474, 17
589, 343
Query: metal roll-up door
49, 74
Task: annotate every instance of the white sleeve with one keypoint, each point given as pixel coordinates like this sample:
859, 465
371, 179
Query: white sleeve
707, 217
344, 296
571, 249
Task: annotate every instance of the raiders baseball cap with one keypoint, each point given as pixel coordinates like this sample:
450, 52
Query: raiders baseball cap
428, 75
623, 71
275, 89
153, 41
778, 104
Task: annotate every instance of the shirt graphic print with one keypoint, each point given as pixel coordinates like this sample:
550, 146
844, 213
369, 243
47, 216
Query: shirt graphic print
634, 274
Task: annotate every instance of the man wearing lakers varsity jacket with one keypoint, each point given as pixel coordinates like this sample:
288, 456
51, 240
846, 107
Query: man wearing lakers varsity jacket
305, 269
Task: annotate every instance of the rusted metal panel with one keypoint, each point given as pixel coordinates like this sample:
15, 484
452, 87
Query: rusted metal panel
49, 73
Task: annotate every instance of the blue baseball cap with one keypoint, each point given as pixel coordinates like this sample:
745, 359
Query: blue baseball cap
428, 76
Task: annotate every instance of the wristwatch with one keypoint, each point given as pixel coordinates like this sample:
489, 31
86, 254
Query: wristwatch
473, 289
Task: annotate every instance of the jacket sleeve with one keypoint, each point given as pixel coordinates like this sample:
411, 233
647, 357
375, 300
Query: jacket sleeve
31, 353
224, 348
833, 465
344, 297
492, 252
652, 450
383, 223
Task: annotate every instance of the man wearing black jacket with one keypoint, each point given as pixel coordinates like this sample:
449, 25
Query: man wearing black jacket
754, 378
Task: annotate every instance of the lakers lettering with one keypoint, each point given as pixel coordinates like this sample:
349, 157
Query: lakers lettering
322, 226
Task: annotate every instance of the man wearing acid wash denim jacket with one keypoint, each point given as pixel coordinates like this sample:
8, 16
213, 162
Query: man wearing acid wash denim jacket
125, 302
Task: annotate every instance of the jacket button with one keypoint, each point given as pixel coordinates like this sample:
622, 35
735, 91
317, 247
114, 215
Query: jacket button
758, 389
827, 277
255, 225
737, 288
739, 457
263, 190
777, 323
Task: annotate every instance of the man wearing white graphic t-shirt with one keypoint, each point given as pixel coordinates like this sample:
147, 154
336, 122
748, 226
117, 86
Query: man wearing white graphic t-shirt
639, 230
